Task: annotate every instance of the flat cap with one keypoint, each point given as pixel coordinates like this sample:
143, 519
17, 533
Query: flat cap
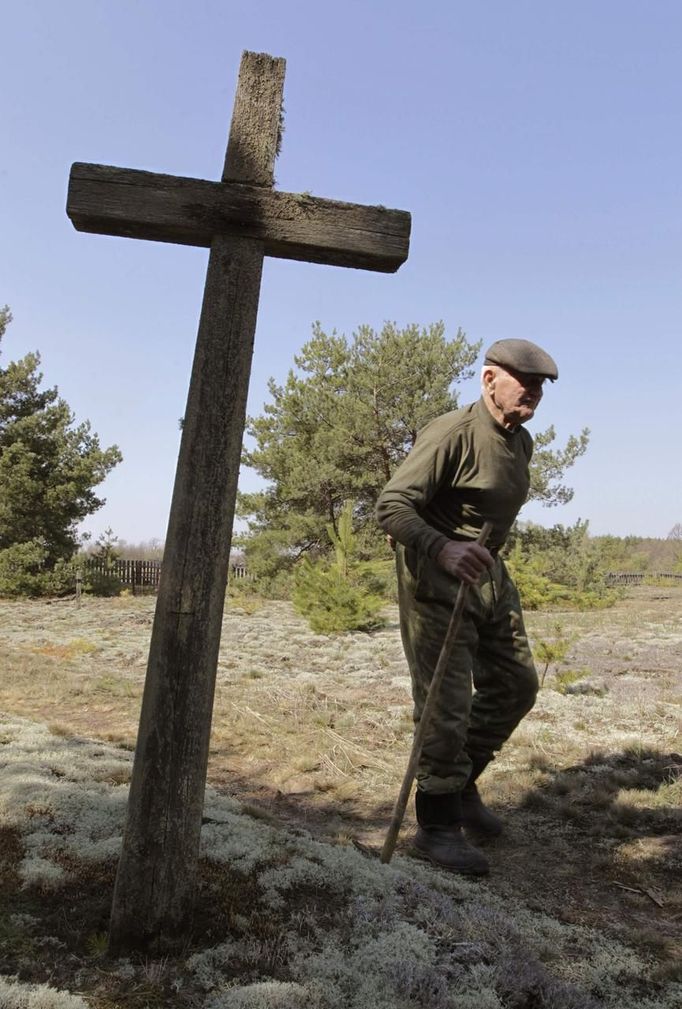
522, 356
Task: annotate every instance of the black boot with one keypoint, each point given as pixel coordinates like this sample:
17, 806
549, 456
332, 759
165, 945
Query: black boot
475, 816
440, 838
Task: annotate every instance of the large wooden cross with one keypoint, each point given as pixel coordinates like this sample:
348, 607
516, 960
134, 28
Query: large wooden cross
242, 219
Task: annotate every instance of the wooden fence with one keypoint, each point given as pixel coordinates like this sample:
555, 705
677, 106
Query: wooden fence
143, 576
640, 577
140, 576
137, 575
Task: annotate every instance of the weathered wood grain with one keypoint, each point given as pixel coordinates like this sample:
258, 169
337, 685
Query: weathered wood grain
167, 208
256, 127
156, 878
157, 872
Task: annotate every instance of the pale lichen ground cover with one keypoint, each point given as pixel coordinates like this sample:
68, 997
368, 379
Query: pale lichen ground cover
400, 936
313, 732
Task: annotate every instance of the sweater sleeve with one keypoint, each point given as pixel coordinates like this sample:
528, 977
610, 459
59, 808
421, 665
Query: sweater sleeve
410, 489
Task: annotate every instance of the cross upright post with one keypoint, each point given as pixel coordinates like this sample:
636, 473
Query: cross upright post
242, 219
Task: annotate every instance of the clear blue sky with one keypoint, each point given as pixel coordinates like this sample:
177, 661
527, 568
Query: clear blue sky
538, 146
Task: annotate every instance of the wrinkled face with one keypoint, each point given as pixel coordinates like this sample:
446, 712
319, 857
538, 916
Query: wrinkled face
512, 397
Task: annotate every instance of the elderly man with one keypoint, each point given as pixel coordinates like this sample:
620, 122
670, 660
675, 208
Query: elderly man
466, 467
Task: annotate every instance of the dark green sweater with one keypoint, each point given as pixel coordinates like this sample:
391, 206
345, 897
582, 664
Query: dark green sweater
464, 468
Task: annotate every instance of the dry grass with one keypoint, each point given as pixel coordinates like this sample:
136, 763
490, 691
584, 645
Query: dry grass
314, 731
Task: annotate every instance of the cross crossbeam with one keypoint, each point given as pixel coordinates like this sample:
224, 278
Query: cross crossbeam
169, 208
241, 219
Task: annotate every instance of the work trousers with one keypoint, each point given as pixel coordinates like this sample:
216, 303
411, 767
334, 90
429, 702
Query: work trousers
490, 682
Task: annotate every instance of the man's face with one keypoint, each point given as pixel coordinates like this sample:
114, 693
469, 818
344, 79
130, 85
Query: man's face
513, 396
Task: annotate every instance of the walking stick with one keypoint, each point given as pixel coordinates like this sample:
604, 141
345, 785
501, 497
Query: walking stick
429, 704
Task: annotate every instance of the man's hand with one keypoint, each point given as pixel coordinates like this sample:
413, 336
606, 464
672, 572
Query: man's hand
466, 561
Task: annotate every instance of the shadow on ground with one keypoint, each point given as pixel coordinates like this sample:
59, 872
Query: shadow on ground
597, 843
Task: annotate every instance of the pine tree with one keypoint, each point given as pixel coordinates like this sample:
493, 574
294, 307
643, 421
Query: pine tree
48, 468
333, 596
338, 427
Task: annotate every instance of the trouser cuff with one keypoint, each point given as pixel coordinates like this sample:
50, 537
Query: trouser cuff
437, 809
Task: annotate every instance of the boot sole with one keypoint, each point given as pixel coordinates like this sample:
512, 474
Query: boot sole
423, 856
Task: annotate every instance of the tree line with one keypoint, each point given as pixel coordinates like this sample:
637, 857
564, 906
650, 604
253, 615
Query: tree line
325, 444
